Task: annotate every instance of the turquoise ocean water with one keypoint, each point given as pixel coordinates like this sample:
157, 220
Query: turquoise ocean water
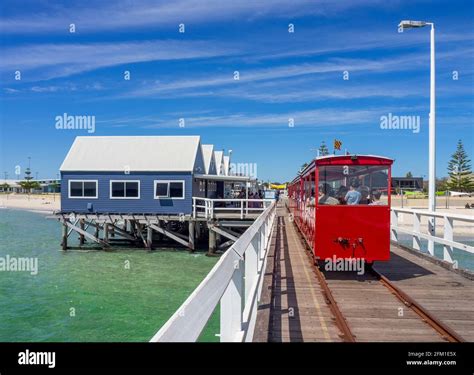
90, 295
464, 258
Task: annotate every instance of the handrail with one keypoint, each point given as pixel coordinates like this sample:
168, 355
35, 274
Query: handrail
235, 282
459, 217
448, 237
237, 205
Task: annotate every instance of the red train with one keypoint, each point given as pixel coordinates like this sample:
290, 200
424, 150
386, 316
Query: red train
341, 206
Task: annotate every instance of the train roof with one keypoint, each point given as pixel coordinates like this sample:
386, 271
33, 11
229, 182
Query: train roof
352, 159
321, 160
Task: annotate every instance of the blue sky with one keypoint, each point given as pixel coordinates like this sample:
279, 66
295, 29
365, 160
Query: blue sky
190, 75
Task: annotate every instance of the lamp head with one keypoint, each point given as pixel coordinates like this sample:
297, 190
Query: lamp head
407, 24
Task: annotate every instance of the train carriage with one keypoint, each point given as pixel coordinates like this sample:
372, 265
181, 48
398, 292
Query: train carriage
341, 204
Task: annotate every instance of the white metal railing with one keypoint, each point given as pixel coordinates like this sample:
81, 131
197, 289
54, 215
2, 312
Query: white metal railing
235, 281
208, 208
448, 237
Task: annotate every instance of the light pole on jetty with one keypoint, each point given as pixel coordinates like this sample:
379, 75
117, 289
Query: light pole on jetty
405, 24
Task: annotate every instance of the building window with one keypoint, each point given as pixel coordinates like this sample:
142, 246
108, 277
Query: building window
83, 189
169, 189
161, 189
124, 189
177, 189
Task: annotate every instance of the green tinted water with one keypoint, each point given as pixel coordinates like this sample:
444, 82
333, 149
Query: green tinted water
94, 295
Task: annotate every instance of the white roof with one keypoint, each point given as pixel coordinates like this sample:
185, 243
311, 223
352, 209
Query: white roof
12, 183
343, 156
207, 153
218, 158
135, 153
226, 165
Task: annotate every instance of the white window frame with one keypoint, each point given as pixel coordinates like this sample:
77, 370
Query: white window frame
110, 189
168, 192
96, 189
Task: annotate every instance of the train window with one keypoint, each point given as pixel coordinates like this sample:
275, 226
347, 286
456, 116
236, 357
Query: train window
353, 185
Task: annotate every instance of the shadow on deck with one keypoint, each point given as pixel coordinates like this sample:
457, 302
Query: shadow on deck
284, 275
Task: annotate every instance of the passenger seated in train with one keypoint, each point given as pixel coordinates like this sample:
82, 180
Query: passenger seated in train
341, 193
364, 195
310, 202
326, 195
376, 194
353, 196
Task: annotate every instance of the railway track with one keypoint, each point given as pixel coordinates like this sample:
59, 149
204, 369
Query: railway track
445, 331
338, 287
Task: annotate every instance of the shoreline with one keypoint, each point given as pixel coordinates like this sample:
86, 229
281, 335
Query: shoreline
40, 203
33, 210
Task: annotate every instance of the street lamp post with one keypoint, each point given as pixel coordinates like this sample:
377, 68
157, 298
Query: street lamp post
432, 125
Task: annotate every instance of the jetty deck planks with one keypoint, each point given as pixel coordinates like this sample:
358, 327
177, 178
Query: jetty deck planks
448, 295
296, 310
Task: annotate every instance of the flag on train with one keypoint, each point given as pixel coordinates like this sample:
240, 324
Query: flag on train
337, 144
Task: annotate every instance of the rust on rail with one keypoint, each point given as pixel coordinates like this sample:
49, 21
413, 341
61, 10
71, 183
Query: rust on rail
341, 322
444, 330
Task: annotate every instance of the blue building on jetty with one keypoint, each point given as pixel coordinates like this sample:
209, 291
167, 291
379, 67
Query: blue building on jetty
141, 174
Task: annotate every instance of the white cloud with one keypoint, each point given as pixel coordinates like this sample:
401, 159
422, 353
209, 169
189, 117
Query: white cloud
320, 118
123, 14
60, 60
331, 41
196, 86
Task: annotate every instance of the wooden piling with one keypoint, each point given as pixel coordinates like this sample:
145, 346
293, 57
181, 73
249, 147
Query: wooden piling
197, 227
159, 235
192, 230
106, 232
81, 236
133, 227
162, 228
65, 230
149, 237
212, 242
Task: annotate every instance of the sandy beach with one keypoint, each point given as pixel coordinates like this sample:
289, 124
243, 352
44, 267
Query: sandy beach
44, 203
441, 202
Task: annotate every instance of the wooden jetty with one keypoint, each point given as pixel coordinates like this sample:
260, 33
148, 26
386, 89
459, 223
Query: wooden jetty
295, 305
220, 221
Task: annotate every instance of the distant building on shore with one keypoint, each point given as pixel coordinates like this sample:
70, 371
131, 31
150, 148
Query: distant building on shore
407, 183
46, 186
